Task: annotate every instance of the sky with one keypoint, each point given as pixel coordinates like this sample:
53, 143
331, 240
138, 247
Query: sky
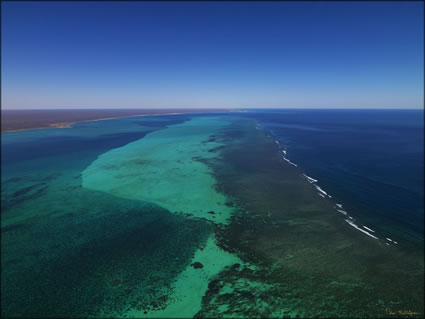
212, 54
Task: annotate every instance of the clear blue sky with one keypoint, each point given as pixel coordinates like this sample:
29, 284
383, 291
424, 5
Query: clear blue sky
212, 54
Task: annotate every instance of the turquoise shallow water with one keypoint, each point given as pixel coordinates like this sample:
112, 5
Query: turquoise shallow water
71, 250
165, 167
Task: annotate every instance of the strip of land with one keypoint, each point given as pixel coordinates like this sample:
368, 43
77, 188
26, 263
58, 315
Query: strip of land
20, 120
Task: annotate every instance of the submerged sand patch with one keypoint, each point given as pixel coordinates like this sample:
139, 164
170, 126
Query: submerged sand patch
165, 167
192, 284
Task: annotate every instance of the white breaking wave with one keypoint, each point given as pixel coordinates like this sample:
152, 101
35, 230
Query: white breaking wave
320, 190
389, 239
369, 229
311, 180
290, 161
358, 228
322, 193
342, 211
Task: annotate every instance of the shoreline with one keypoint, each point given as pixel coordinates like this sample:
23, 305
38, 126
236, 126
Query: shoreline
69, 124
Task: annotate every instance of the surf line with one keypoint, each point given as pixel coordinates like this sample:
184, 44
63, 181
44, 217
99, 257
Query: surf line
322, 193
350, 220
351, 223
311, 180
390, 240
284, 152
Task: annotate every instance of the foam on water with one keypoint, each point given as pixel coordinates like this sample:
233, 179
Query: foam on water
342, 211
310, 179
368, 229
351, 223
292, 163
320, 190
284, 155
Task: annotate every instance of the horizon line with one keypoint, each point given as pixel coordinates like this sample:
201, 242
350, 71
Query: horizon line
216, 108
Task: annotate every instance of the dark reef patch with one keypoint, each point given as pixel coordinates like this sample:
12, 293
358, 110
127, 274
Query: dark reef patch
12, 227
123, 254
197, 265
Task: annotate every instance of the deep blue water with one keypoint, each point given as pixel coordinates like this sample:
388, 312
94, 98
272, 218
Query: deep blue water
371, 161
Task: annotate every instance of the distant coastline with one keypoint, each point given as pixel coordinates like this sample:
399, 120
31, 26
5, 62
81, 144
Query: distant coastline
69, 124
23, 120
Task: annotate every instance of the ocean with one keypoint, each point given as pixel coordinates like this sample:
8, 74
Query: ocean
213, 215
370, 161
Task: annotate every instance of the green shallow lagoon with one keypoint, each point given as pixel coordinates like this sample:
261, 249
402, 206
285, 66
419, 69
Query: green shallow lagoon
166, 167
183, 216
